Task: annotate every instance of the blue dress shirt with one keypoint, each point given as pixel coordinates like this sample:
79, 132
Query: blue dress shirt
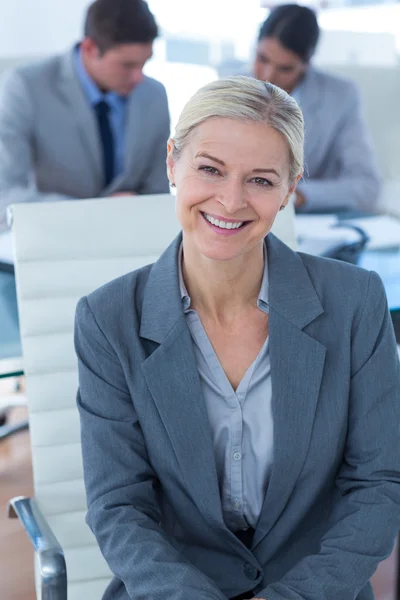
116, 103
241, 420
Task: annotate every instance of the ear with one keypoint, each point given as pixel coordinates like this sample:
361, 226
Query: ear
89, 48
292, 189
171, 160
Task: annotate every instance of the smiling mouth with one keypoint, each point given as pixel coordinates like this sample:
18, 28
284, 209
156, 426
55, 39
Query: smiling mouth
224, 224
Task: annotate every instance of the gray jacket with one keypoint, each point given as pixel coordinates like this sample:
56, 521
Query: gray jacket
332, 507
340, 167
50, 147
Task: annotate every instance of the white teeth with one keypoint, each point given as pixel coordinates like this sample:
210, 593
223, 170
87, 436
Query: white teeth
223, 224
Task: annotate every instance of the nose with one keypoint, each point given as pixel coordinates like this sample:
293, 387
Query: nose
232, 197
269, 74
136, 76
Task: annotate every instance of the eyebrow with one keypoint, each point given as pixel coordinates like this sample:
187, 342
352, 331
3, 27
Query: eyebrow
221, 162
205, 155
266, 171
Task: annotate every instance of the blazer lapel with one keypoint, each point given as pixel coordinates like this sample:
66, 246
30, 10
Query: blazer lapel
83, 115
172, 377
297, 363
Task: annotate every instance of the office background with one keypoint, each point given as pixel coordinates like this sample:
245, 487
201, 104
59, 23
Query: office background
198, 41
203, 40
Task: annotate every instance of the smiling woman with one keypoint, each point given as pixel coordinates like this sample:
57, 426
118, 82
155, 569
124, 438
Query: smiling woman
231, 395
235, 159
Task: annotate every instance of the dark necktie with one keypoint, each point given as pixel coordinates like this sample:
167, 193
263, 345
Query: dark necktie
107, 140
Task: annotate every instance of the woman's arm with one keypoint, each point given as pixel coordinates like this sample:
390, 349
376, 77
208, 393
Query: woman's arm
366, 519
122, 509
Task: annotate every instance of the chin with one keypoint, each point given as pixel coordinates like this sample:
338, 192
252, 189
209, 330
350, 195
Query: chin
219, 256
125, 91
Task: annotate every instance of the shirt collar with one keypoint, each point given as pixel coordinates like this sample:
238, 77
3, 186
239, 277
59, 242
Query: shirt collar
91, 90
262, 301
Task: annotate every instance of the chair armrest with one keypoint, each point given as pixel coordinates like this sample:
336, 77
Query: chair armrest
53, 571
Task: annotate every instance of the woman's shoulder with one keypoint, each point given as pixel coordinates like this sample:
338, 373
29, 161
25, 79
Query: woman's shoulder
341, 282
119, 295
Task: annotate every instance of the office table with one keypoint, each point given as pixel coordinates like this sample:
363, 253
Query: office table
10, 343
11, 367
387, 264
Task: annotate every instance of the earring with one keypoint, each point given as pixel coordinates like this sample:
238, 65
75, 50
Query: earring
172, 184
282, 208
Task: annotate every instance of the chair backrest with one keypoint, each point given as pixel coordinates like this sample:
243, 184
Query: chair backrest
63, 251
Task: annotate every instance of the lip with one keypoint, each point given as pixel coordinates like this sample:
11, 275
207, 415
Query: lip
225, 219
225, 232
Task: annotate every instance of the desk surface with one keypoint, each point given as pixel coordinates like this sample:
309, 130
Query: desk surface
10, 343
387, 264
11, 367
6, 250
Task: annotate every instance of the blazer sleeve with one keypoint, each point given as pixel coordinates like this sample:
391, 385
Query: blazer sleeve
123, 512
366, 518
155, 180
17, 176
357, 184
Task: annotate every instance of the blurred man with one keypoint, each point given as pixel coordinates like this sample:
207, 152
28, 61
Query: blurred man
88, 123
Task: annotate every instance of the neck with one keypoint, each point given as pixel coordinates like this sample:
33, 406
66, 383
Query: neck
222, 289
298, 82
89, 71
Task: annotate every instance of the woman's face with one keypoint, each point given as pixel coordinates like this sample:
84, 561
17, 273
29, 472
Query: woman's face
278, 65
232, 177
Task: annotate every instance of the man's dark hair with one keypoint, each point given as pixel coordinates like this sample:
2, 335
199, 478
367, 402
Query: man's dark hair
295, 27
110, 23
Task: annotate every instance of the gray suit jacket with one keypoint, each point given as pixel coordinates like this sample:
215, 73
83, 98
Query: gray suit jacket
332, 507
340, 168
50, 147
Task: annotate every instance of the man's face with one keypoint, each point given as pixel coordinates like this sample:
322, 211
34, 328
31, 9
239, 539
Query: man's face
119, 69
278, 65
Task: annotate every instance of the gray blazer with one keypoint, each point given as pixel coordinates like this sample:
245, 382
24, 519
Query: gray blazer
50, 147
332, 507
340, 168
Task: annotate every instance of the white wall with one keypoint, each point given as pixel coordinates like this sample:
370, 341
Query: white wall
378, 18
42, 27
39, 27
216, 20
356, 48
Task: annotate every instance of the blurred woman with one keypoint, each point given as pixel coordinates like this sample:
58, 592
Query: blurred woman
340, 170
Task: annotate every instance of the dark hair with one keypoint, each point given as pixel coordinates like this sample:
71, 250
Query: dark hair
295, 27
110, 23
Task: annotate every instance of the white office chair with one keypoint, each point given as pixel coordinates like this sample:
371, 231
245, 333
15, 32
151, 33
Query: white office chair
63, 251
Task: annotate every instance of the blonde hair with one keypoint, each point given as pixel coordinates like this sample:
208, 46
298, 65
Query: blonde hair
245, 99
